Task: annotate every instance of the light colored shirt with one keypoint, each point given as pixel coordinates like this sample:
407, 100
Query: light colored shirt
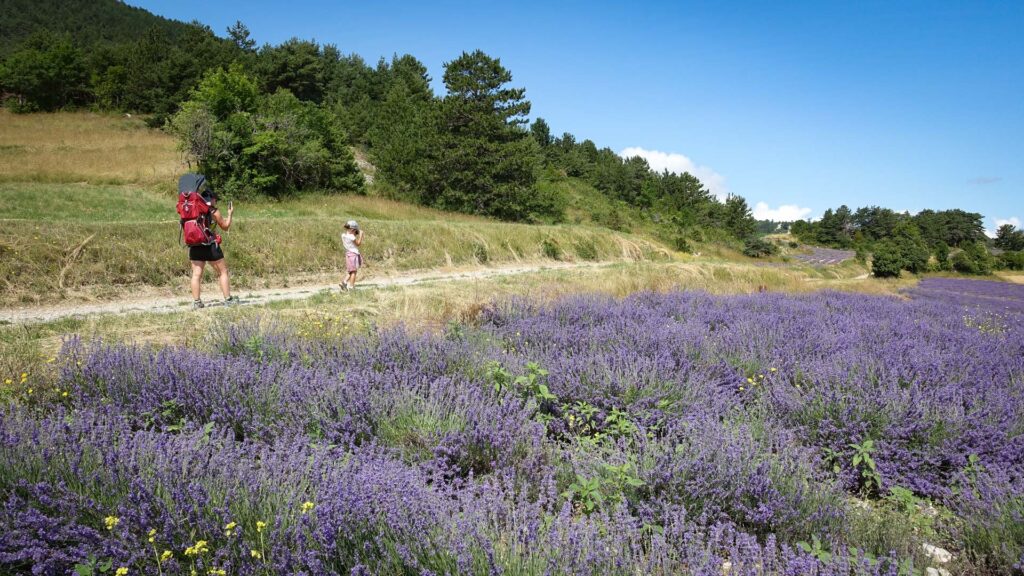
348, 240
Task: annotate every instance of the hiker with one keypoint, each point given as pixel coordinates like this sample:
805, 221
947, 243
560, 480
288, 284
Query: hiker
352, 239
197, 207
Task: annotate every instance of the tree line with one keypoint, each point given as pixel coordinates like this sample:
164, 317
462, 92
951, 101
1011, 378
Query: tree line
277, 119
930, 240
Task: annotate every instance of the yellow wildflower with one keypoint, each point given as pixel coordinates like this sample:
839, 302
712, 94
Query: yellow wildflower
773, 369
24, 375
255, 554
122, 571
260, 525
8, 381
307, 506
64, 394
166, 556
229, 528
111, 522
217, 572
197, 549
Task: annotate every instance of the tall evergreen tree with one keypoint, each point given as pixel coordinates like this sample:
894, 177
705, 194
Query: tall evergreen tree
1009, 238
487, 161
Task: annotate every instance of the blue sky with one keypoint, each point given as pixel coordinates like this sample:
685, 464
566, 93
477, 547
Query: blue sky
796, 106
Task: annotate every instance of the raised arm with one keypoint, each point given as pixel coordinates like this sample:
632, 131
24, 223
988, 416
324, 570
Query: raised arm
224, 223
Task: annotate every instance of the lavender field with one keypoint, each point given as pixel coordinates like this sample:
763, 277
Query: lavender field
820, 256
660, 434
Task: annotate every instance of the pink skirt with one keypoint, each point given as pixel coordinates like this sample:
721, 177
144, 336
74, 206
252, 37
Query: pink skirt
353, 261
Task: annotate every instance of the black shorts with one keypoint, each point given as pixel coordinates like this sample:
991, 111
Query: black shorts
208, 253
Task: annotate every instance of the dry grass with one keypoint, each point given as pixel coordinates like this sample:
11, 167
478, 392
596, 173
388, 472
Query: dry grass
84, 147
43, 263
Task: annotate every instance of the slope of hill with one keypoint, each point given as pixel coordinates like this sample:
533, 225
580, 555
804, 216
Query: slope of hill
90, 216
87, 22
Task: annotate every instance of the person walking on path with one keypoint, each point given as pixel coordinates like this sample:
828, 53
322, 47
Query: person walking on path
212, 253
351, 239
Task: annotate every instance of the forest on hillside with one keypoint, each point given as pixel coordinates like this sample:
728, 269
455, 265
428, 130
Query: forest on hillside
273, 120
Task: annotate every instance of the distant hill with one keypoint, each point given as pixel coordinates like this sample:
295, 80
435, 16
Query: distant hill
87, 22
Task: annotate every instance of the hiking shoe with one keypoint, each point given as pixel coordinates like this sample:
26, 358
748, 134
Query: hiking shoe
344, 287
231, 301
197, 304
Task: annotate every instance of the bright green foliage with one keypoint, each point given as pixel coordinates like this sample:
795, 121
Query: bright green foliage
610, 487
249, 143
974, 259
816, 548
913, 250
886, 261
1011, 260
871, 481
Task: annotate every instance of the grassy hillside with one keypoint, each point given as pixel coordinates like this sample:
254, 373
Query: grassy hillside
89, 213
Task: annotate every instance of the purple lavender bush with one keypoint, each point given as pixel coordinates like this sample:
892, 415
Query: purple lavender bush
660, 434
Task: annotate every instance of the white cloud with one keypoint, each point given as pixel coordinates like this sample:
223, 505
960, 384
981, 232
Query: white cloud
1012, 220
784, 213
678, 163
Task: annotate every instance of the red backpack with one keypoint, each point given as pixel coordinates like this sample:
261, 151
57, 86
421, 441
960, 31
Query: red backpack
194, 211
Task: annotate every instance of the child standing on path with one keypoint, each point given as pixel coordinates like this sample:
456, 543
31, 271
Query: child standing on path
352, 239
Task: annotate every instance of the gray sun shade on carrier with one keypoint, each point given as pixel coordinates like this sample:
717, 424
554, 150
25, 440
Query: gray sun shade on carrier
190, 182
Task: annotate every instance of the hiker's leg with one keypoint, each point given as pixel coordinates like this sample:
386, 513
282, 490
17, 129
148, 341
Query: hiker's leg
221, 266
197, 277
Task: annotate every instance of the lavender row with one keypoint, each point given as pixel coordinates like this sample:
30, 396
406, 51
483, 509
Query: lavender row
658, 434
975, 296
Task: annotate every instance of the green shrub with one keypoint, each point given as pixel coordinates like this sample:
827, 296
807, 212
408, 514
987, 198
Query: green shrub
886, 262
249, 144
480, 253
963, 263
551, 249
1011, 260
758, 248
586, 250
682, 244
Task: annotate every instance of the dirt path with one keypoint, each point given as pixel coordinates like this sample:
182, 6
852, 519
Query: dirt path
257, 297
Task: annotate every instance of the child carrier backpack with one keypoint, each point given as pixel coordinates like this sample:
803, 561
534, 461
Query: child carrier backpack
194, 211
